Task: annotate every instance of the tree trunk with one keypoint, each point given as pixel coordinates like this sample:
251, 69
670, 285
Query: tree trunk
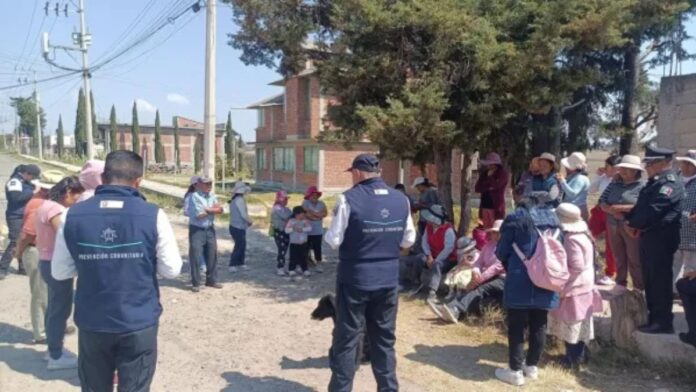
464, 195
629, 142
443, 161
546, 132
628, 312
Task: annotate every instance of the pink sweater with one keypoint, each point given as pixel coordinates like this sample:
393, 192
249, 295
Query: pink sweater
577, 297
488, 264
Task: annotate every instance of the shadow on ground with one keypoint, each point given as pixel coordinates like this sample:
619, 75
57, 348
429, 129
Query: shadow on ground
456, 359
238, 382
11, 334
30, 361
307, 363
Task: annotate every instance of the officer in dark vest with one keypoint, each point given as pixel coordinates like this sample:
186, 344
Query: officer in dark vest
116, 243
656, 218
18, 191
371, 223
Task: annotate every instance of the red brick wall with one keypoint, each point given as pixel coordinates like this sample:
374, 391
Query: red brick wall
336, 161
292, 101
186, 145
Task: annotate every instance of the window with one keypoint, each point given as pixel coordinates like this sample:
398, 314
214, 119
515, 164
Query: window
311, 159
284, 159
261, 117
260, 159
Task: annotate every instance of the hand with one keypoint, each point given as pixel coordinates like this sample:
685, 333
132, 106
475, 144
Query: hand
476, 276
472, 285
560, 177
633, 233
429, 262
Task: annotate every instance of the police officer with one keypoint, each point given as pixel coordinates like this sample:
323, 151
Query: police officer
116, 243
371, 223
18, 192
656, 218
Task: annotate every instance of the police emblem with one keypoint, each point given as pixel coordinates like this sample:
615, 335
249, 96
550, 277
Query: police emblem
385, 213
109, 235
666, 190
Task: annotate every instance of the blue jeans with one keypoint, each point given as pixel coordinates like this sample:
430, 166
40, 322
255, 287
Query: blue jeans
239, 251
60, 302
355, 310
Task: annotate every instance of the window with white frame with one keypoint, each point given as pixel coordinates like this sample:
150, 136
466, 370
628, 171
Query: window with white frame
261, 159
261, 117
311, 159
284, 159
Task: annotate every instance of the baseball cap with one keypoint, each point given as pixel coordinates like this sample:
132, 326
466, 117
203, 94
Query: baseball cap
205, 180
32, 169
365, 163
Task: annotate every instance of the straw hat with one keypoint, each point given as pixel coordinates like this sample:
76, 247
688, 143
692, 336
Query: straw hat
630, 162
312, 190
547, 156
571, 218
690, 157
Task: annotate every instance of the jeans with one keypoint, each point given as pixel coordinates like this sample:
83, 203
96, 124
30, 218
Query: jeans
14, 228
687, 292
239, 252
314, 243
282, 241
132, 354
436, 272
60, 302
518, 320
298, 256
466, 301
202, 245
356, 309
39, 292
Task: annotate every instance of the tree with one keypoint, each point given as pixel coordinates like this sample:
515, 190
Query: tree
159, 148
240, 153
135, 129
177, 154
80, 121
197, 155
60, 136
25, 107
230, 140
113, 130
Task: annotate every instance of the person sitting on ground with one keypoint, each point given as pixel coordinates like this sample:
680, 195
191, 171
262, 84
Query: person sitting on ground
544, 185
459, 277
90, 177
488, 281
438, 245
572, 322
575, 183
280, 214
428, 197
491, 184
527, 305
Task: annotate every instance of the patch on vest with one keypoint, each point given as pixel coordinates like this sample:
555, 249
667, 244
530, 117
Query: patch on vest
113, 204
14, 185
666, 190
381, 192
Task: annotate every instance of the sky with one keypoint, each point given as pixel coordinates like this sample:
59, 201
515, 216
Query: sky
165, 72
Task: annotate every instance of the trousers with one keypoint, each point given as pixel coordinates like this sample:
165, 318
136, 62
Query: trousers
238, 256
518, 320
14, 229
132, 354
355, 309
39, 292
687, 292
626, 254
60, 302
202, 245
657, 248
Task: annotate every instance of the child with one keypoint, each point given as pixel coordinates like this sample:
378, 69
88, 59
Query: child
280, 214
315, 211
298, 227
459, 278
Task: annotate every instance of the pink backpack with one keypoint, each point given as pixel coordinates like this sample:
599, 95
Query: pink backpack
548, 266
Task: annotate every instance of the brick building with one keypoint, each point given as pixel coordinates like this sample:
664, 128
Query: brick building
288, 155
189, 132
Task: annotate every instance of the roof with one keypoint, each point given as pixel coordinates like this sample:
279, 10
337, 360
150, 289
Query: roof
147, 129
184, 122
305, 72
276, 100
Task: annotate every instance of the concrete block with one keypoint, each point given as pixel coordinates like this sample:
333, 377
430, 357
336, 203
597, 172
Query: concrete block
665, 348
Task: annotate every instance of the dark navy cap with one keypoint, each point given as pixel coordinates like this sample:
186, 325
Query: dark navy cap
31, 169
366, 163
657, 153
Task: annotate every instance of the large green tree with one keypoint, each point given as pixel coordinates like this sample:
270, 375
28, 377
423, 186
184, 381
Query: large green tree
80, 127
113, 129
60, 138
159, 147
25, 107
135, 130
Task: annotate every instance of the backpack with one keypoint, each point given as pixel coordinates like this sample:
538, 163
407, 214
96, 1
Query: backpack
548, 266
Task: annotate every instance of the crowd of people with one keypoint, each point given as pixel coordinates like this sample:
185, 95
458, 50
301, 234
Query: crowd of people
646, 212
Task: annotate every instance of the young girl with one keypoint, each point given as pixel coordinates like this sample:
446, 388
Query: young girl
297, 228
280, 214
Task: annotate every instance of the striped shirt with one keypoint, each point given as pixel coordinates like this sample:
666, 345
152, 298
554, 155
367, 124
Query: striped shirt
618, 193
688, 227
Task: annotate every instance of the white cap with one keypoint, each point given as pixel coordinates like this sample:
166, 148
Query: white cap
419, 181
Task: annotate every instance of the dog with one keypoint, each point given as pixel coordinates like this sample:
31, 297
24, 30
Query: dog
327, 308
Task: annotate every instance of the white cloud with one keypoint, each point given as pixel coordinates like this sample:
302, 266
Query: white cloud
145, 106
177, 98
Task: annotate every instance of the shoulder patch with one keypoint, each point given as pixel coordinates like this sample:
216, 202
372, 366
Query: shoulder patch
14, 185
671, 177
666, 190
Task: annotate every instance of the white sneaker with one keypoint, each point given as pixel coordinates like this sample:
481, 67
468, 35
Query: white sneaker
318, 269
292, 274
531, 372
280, 272
436, 308
232, 269
64, 362
245, 267
510, 376
307, 274
605, 281
66, 353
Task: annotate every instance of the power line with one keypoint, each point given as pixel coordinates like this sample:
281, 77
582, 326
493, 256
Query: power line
31, 25
65, 75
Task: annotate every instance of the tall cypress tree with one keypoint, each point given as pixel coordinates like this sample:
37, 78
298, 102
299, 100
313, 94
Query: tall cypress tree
159, 148
80, 119
113, 130
135, 129
230, 143
60, 136
240, 153
197, 152
177, 154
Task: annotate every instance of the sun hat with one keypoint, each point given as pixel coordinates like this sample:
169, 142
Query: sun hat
496, 226
571, 218
365, 163
690, 157
492, 158
312, 190
434, 214
419, 181
630, 162
205, 179
575, 161
281, 196
194, 180
547, 156
240, 187
465, 245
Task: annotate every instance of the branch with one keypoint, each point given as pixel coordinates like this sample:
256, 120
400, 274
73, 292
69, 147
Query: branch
573, 106
652, 115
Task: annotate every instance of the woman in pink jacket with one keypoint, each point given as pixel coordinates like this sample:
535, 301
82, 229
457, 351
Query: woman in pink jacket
572, 321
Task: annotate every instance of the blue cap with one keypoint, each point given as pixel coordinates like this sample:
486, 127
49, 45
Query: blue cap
366, 163
657, 153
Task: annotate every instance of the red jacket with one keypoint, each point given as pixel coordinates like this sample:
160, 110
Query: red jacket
436, 241
493, 187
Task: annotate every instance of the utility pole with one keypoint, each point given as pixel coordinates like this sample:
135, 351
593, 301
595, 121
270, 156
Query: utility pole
210, 79
39, 134
86, 81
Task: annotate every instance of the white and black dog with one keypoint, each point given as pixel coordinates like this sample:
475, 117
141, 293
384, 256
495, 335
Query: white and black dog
327, 308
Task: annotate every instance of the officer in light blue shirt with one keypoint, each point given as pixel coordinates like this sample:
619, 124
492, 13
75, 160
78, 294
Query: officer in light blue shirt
202, 207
